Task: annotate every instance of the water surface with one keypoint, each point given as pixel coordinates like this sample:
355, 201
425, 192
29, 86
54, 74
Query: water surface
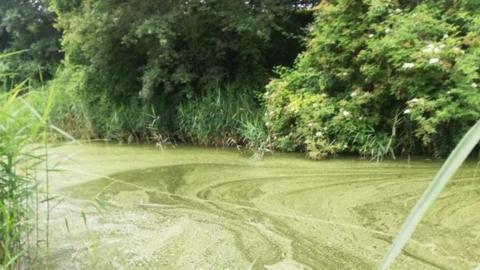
136, 207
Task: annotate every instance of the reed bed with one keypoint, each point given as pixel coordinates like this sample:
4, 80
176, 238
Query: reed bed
23, 148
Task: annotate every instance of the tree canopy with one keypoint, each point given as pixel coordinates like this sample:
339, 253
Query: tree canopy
27, 25
179, 47
139, 53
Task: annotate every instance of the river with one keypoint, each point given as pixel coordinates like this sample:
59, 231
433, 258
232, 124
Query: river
138, 207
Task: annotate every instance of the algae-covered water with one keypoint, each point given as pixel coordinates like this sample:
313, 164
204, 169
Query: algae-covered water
136, 207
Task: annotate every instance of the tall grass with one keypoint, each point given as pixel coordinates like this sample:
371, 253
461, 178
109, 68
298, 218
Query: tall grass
68, 111
449, 168
256, 137
217, 118
21, 129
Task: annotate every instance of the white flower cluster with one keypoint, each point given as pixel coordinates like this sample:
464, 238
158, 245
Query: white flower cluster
345, 113
433, 48
433, 61
458, 50
408, 65
413, 102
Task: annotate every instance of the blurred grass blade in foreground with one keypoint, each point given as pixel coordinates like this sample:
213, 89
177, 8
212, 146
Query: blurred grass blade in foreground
451, 165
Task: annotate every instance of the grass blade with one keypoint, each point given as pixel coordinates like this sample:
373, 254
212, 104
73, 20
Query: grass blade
63, 133
252, 265
5, 55
67, 225
84, 218
451, 165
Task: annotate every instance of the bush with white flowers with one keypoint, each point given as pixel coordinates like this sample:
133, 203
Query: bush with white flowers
381, 78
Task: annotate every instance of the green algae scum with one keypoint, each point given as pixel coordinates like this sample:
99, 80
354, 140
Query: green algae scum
136, 207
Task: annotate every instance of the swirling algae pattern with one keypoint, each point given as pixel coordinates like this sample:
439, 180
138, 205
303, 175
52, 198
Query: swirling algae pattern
200, 208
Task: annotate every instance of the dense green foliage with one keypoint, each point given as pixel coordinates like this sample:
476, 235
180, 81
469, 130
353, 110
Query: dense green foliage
381, 77
28, 25
137, 54
377, 78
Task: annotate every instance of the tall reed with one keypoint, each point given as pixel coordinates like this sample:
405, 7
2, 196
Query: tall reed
217, 117
21, 129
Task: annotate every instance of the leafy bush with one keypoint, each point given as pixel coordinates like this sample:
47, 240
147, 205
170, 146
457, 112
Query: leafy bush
380, 77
